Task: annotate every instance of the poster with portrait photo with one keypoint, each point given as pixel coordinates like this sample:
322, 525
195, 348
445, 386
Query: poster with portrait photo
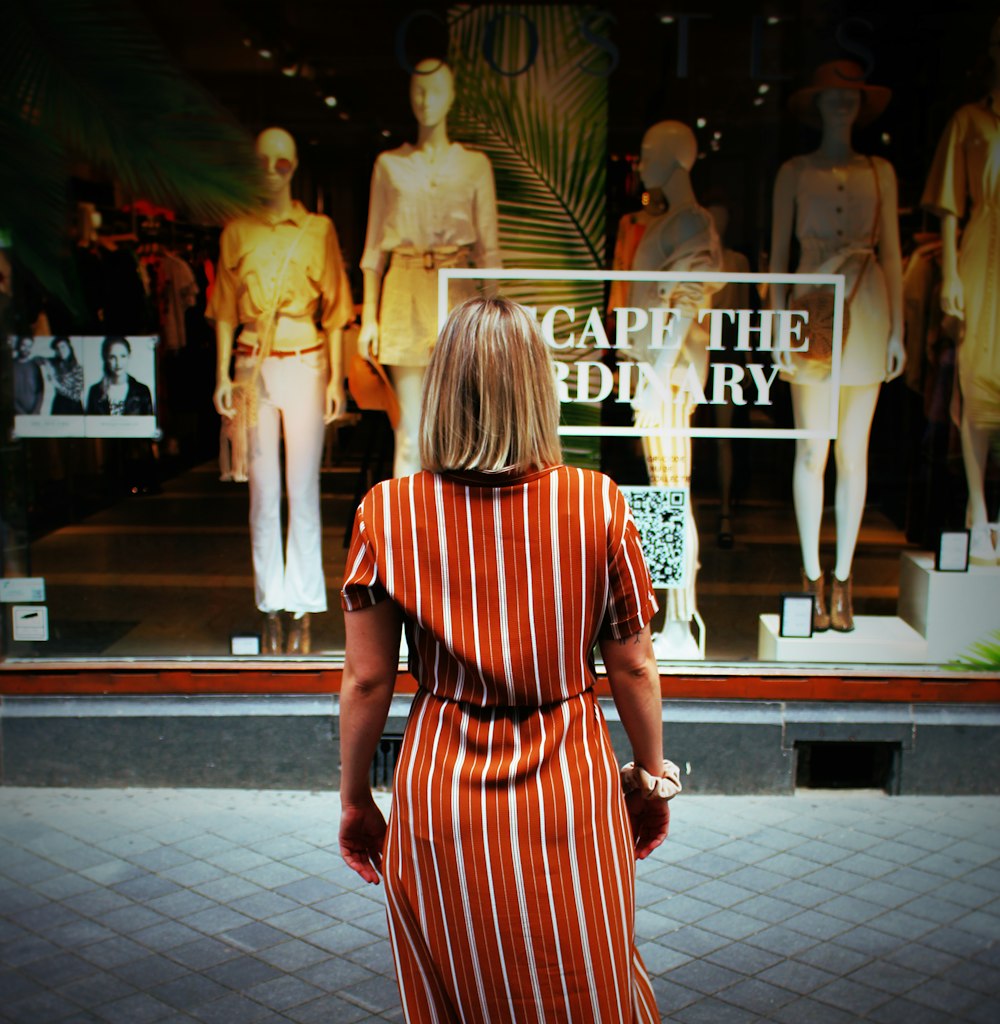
85, 386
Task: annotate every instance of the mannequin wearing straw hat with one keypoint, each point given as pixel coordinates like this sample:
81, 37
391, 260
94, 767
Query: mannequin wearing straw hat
841, 207
966, 170
281, 279
432, 205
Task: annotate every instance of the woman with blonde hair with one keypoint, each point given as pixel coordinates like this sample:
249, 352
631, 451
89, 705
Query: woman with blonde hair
509, 858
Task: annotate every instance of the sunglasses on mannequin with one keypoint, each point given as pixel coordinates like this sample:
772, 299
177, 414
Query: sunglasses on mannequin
280, 166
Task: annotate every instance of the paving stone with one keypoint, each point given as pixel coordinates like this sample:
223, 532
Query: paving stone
817, 924
850, 995
808, 1011
59, 969
376, 995
692, 941
188, 992
683, 908
333, 974
797, 977
828, 956
284, 992
203, 952
778, 939
41, 1008
922, 959
325, 1010
242, 973
306, 890
97, 989
233, 1008
166, 936
216, 920
940, 994
152, 970
902, 1011
744, 959
255, 936
138, 1009
703, 976
756, 996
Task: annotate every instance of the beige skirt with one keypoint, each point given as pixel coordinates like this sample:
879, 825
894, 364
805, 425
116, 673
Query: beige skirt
408, 314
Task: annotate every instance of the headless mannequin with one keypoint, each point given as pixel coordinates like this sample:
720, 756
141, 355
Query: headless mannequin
838, 110
683, 239
279, 276
403, 178
966, 268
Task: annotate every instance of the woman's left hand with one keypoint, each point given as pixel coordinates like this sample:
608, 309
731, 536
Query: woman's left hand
650, 821
362, 836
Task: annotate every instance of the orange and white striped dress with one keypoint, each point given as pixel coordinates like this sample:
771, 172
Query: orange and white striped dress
509, 869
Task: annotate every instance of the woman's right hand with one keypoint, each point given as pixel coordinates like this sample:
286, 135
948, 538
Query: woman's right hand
362, 837
650, 821
223, 399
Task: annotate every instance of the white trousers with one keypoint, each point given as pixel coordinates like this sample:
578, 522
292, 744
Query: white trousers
290, 402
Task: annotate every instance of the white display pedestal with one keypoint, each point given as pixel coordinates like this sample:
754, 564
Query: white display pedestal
951, 609
875, 639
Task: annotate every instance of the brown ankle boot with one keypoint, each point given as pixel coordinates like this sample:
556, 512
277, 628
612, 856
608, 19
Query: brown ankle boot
841, 610
272, 633
299, 636
821, 618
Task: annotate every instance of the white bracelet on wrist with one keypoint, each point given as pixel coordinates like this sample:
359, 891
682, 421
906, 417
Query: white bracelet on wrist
666, 787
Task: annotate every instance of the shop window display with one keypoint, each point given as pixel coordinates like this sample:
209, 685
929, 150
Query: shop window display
854, 164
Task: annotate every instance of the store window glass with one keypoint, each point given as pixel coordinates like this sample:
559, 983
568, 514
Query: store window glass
760, 242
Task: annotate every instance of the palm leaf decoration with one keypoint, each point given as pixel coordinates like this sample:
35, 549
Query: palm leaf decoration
982, 656
545, 132
84, 81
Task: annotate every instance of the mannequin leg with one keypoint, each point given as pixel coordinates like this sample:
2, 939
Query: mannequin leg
302, 417
857, 408
265, 500
810, 406
668, 464
983, 549
409, 383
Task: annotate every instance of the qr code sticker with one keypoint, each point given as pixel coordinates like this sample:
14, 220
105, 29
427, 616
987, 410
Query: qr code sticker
661, 515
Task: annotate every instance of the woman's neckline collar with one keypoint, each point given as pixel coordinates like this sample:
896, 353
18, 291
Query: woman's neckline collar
501, 478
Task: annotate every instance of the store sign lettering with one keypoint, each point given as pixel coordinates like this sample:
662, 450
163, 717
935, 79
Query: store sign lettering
851, 34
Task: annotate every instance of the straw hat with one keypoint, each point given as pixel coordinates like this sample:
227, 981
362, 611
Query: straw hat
839, 74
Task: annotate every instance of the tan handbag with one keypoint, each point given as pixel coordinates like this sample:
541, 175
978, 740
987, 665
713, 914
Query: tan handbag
371, 388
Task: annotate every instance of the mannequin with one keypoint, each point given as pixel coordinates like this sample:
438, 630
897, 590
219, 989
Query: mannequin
682, 239
967, 166
281, 279
832, 202
432, 205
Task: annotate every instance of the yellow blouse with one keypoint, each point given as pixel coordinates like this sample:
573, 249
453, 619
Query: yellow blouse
253, 270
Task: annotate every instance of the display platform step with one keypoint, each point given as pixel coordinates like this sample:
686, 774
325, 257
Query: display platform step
952, 610
875, 640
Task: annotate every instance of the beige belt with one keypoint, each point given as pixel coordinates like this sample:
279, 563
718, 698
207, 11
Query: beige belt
431, 259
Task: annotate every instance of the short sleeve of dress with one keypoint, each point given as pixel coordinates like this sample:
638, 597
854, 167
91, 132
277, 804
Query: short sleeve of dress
362, 587
945, 191
631, 602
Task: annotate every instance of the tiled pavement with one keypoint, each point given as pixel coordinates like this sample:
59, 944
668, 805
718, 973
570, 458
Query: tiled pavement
133, 906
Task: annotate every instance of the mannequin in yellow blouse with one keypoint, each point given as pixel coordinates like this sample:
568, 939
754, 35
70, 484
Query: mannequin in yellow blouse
281, 280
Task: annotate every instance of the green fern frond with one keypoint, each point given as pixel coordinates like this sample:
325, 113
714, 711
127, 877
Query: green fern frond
981, 656
84, 81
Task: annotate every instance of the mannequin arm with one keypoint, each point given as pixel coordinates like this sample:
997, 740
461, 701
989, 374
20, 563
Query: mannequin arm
335, 398
892, 266
223, 396
368, 336
782, 224
952, 295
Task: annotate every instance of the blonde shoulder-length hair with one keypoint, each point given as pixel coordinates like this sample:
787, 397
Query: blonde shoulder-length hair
489, 400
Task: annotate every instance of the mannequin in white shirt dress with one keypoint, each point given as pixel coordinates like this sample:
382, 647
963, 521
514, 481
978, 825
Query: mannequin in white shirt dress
831, 201
966, 173
432, 205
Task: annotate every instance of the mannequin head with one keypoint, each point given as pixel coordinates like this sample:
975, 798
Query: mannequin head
838, 106
278, 158
667, 146
432, 92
